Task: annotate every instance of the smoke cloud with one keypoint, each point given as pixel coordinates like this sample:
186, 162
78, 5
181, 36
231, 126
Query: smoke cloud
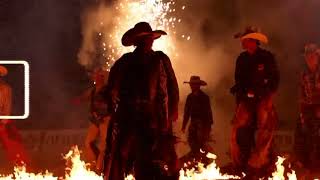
96, 20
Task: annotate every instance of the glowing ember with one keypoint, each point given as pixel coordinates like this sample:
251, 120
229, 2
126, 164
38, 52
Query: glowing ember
156, 12
211, 172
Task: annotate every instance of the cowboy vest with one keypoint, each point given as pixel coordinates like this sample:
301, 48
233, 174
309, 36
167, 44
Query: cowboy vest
257, 73
138, 82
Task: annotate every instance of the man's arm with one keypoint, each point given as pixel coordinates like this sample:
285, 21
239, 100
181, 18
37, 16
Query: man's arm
237, 77
274, 74
209, 110
237, 74
111, 91
7, 101
186, 115
173, 89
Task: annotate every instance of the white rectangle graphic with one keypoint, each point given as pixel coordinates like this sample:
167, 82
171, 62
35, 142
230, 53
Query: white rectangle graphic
26, 89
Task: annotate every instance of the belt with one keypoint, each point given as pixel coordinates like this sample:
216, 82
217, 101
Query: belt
136, 102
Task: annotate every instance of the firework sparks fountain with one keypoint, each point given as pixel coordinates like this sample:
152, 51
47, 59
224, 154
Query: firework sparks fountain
159, 14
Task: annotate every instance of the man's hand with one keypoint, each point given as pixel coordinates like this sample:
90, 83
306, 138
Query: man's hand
250, 94
107, 118
233, 90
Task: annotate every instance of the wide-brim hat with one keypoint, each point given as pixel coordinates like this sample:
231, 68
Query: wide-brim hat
196, 80
3, 71
252, 32
139, 30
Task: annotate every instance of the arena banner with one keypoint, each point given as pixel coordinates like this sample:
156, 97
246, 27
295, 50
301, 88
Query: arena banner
50, 145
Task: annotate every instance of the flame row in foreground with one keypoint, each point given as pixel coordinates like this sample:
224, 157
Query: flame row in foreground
79, 170
212, 172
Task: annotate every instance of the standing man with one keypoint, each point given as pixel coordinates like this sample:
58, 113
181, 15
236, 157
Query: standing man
99, 119
145, 95
256, 82
198, 109
10, 138
309, 152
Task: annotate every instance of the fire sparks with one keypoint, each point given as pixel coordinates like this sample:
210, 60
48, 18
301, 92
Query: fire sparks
211, 172
160, 15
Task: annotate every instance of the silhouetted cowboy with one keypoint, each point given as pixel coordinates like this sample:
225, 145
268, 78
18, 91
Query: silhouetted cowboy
198, 109
144, 91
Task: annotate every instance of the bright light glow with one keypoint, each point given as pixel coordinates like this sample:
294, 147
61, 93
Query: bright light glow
159, 14
211, 172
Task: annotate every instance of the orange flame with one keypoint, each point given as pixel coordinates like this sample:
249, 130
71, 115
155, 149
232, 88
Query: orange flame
77, 171
211, 172
279, 173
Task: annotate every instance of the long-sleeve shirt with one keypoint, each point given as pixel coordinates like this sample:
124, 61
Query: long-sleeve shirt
198, 109
172, 86
310, 89
5, 99
256, 72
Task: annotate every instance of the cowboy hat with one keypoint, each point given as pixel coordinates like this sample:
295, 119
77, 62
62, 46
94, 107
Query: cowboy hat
252, 32
196, 80
139, 30
3, 71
